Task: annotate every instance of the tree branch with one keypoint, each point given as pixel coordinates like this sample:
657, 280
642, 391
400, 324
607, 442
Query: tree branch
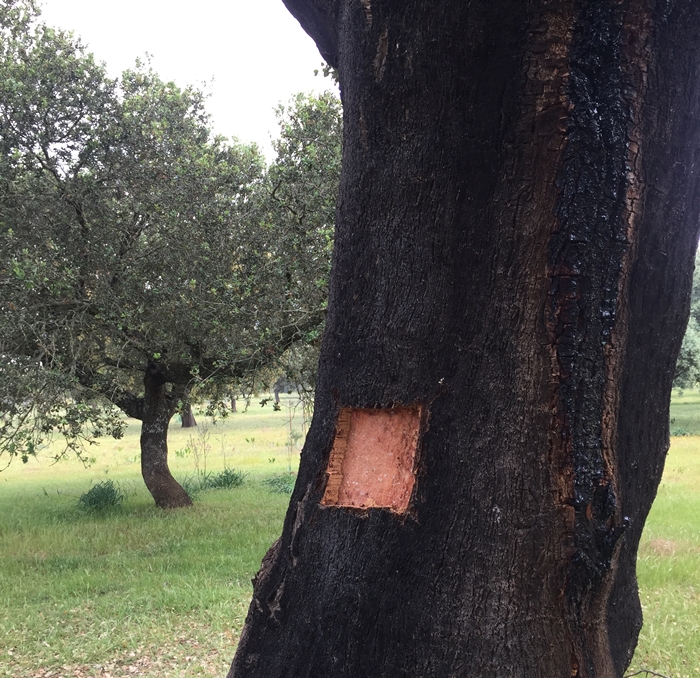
126, 401
319, 19
261, 357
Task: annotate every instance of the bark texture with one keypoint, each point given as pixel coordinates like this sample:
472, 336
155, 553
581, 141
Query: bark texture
158, 408
516, 229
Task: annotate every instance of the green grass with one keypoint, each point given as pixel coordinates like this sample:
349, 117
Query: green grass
136, 591
669, 568
82, 590
685, 413
102, 496
669, 555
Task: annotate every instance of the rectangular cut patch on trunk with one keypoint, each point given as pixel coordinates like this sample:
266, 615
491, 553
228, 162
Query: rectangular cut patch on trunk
372, 463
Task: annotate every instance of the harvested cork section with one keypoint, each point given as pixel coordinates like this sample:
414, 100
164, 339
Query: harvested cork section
372, 463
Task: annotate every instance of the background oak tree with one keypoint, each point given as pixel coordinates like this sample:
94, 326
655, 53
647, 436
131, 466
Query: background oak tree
141, 258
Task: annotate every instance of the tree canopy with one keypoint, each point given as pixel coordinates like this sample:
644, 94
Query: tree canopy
136, 245
687, 374
300, 201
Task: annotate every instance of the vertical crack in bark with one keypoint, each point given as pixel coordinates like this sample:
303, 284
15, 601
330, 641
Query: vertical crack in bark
548, 109
367, 6
635, 49
543, 128
636, 34
550, 73
380, 58
590, 257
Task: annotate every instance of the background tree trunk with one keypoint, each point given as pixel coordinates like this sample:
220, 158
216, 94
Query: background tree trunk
517, 222
188, 419
158, 408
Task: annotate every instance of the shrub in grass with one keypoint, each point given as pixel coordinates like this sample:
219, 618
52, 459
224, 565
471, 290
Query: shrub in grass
191, 484
101, 497
226, 479
282, 483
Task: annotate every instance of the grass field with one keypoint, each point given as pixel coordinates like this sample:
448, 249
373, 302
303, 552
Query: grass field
142, 592
139, 591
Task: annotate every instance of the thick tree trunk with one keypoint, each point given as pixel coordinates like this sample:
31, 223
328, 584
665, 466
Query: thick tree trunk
188, 419
158, 408
516, 230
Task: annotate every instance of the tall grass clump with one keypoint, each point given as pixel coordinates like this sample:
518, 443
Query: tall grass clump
226, 479
102, 496
282, 483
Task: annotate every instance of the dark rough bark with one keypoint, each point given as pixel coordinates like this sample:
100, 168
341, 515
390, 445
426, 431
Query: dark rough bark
516, 231
158, 408
188, 419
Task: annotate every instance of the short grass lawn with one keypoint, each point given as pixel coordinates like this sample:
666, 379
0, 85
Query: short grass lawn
136, 591
669, 568
685, 413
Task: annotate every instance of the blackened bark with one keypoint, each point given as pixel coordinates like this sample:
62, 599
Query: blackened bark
516, 229
319, 18
159, 407
188, 419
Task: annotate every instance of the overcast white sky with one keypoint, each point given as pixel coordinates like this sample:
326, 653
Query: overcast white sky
255, 51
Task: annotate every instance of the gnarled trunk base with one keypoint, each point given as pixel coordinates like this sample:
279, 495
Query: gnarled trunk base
158, 408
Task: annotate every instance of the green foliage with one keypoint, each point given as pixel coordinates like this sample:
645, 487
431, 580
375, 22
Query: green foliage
102, 496
687, 374
39, 405
226, 479
297, 203
129, 233
192, 484
303, 184
183, 452
282, 483
197, 483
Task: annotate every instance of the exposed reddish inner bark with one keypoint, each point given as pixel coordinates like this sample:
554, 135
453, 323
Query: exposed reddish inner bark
373, 458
